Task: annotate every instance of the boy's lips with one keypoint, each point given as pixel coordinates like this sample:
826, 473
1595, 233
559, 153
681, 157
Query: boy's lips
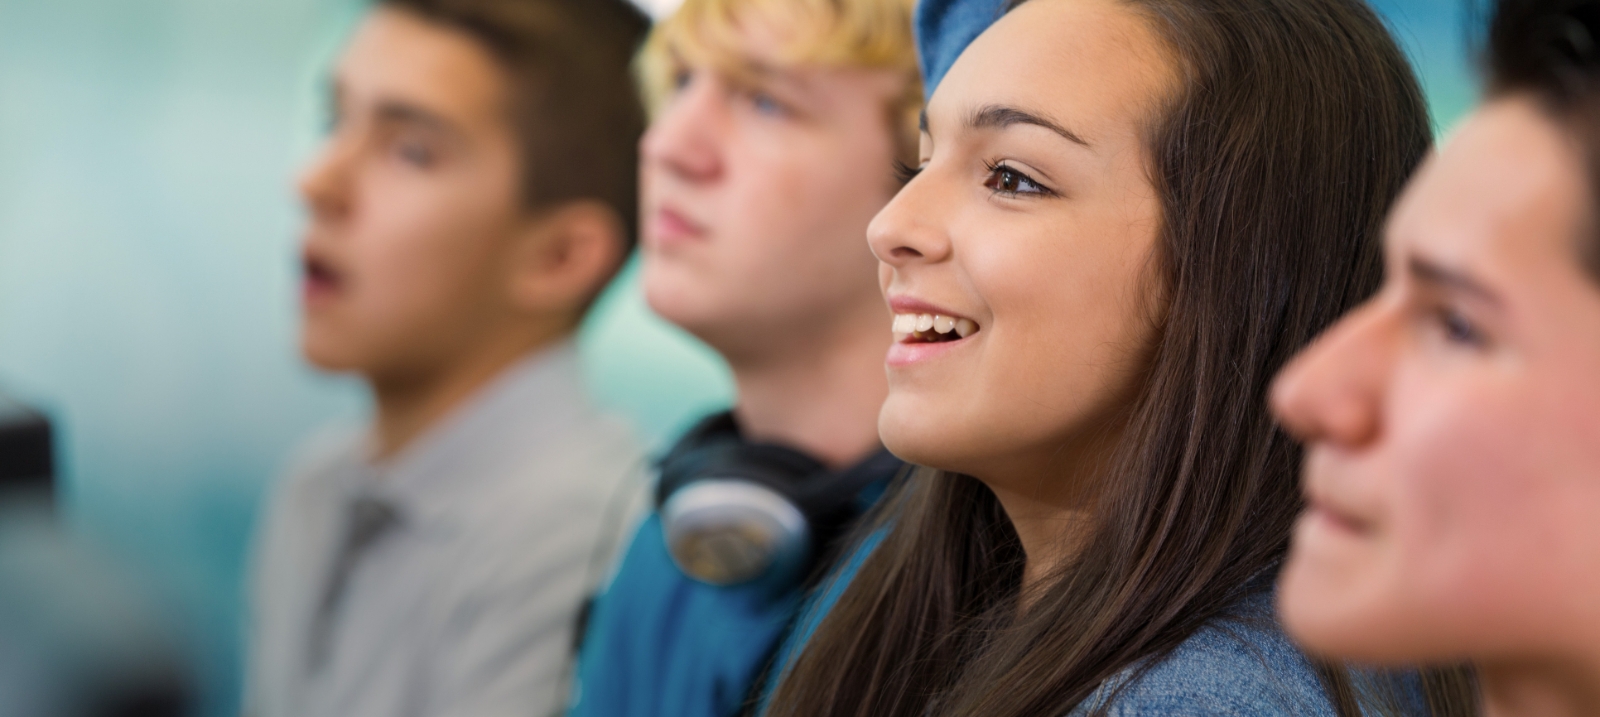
1326, 509
319, 281
668, 226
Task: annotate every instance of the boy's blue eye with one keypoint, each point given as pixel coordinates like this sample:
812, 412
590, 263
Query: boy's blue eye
766, 105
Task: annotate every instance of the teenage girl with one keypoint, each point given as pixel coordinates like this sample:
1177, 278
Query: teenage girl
1127, 215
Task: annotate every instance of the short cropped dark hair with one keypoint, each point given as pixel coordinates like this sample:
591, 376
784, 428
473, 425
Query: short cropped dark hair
1550, 50
574, 108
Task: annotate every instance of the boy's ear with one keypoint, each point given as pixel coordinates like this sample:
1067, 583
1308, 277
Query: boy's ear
564, 257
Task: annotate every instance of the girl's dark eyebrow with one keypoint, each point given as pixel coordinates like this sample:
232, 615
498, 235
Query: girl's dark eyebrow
1001, 116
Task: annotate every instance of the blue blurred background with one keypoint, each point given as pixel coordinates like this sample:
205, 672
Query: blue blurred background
148, 277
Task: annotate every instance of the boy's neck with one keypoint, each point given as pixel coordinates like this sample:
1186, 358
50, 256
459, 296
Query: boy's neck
1549, 688
408, 406
822, 398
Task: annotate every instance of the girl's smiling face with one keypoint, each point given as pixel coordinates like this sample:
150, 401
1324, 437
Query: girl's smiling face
1029, 234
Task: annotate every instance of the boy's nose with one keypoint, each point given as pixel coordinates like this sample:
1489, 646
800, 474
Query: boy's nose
683, 139
1333, 391
324, 183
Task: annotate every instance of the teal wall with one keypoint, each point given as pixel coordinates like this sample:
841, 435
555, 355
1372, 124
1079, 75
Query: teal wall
147, 235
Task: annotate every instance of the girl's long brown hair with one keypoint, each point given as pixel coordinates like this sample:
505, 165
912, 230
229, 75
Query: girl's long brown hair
1296, 126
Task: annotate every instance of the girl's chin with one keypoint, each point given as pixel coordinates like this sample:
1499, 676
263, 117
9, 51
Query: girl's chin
914, 445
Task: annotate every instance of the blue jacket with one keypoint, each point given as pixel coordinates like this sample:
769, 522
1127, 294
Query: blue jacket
1240, 664
661, 644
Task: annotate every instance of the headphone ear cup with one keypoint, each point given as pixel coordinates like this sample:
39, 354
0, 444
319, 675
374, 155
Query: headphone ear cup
728, 507
729, 531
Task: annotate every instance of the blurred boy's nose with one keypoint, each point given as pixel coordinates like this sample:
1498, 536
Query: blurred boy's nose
324, 182
1333, 392
684, 140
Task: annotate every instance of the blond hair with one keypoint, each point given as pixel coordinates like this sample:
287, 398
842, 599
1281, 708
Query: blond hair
864, 34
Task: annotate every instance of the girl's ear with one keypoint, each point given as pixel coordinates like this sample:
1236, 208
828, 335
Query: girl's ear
564, 257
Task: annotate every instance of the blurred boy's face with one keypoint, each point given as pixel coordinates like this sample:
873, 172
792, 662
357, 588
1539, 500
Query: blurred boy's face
1453, 421
412, 202
757, 192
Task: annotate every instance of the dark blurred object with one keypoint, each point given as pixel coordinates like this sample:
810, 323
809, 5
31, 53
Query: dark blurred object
27, 459
80, 634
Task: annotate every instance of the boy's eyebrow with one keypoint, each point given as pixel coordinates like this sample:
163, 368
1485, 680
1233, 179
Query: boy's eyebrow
1001, 117
756, 71
1429, 272
397, 111
406, 113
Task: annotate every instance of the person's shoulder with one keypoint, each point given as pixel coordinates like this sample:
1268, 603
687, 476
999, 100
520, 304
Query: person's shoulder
314, 467
1239, 663
321, 452
544, 452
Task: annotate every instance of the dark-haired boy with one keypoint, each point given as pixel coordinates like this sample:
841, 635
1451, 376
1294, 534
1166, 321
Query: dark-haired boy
475, 193
1452, 423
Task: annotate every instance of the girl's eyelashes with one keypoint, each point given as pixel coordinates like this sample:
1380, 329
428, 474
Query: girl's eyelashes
1007, 180
905, 172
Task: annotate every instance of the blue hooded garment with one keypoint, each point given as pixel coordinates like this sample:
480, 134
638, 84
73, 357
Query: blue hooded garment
944, 28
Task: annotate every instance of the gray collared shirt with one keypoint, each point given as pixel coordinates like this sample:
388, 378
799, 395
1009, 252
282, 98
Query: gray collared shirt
466, 604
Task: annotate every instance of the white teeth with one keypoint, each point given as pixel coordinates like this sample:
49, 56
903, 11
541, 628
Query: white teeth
907, 324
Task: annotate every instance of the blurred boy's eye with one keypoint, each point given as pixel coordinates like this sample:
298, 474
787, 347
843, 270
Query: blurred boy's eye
416, 153
1458, 329
767, 105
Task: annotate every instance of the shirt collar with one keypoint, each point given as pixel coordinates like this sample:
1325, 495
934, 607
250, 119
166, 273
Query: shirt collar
532, 400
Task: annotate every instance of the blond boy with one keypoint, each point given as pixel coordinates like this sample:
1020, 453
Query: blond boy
775, 127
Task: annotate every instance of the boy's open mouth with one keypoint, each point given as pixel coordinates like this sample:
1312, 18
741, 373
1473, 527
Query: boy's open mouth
320, 277
931, 328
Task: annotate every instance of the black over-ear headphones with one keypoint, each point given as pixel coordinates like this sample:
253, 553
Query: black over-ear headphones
735, 511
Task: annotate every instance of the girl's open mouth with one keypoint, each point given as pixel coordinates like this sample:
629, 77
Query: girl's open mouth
931, 328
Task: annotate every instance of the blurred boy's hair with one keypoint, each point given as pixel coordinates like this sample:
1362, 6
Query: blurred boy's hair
1550, 50
865, 34
574, 109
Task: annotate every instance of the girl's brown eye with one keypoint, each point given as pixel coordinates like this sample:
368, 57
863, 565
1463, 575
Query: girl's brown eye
1006, 180
1009, 181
